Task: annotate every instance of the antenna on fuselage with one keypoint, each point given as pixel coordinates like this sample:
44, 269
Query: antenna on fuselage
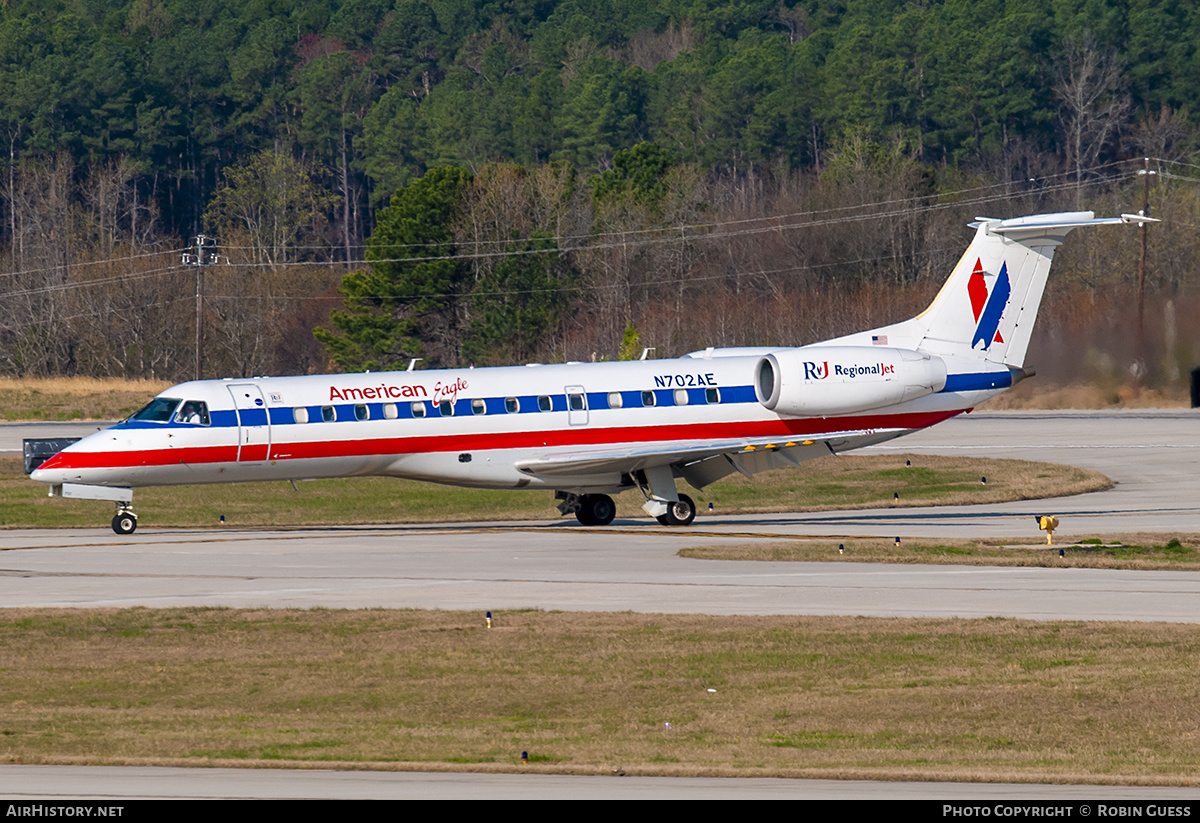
412, 364
646, 352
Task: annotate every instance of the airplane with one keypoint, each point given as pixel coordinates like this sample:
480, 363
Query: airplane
587, 431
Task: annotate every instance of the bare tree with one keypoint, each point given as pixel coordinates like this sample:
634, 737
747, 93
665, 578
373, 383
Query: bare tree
273, 202
1163, 136
1094, 96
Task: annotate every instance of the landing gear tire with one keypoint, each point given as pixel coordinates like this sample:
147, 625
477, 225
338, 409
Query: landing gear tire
124, 523
596, 510
681, 513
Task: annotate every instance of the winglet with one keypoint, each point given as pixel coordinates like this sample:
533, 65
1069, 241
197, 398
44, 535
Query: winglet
1140, 219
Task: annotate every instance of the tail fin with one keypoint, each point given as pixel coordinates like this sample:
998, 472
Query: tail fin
987, 307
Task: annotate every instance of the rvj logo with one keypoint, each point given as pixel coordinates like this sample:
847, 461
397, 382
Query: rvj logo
988, 308
819, 371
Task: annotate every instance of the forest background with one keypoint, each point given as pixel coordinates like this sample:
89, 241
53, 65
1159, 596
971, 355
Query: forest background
486, 183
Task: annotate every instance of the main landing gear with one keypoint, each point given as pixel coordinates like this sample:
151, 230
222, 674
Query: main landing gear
596, 510
663, 502
679, 513
589, 509
657, 485
126, 521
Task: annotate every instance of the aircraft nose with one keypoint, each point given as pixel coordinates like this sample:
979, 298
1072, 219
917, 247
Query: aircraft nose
46, 475
51, 476
54, 468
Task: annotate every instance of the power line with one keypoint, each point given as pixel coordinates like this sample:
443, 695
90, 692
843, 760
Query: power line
1065, 180
671, 234
654, 236
83, 263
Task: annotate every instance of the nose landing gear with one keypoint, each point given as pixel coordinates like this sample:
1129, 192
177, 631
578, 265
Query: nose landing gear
125, 521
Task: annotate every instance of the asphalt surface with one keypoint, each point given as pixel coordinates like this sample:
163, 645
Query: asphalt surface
112, 784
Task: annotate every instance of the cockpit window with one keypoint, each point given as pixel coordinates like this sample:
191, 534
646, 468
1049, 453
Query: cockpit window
194, 412
158, 410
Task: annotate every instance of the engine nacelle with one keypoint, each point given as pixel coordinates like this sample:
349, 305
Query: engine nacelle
822, 381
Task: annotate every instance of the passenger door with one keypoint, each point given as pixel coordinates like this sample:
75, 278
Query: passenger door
254, 428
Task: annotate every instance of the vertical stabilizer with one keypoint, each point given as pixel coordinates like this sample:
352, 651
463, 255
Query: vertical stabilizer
988, 306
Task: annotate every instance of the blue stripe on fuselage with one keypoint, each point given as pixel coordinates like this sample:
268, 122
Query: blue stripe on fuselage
527, 404
978, 381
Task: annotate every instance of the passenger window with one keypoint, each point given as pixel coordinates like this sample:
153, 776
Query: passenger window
478, 407
648, 398
194, 412
328, 414
576, 402
418, 409
361, 412
614, 400
390, 412
681, 397
446, 408
512, 405
544, 403
712, 395
300, 414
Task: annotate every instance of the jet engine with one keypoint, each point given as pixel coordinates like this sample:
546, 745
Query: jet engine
823, 381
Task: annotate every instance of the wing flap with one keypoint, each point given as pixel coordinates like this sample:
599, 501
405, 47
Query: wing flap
695, 459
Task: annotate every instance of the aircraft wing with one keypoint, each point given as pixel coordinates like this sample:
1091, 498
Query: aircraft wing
701, 462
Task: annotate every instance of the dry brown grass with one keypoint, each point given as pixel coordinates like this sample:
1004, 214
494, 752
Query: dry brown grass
872, 481
73, 398
1030, 395
989, 699
1119, 551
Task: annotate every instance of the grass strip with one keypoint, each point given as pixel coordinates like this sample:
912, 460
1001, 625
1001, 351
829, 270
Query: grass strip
828, 483
73, 398
994, 699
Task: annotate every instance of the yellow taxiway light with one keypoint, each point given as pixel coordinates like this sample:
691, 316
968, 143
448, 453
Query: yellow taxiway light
1047, 523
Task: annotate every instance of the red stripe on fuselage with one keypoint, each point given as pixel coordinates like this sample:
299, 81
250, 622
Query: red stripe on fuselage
557, 438
137, 459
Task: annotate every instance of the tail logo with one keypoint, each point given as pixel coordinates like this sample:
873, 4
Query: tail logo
987, 307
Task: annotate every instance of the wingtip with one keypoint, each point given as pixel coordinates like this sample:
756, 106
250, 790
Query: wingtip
1139, 219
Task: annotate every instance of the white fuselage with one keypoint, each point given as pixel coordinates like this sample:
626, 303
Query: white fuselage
575, 426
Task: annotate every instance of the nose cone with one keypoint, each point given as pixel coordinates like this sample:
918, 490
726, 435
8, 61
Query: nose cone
67, 465
53, 471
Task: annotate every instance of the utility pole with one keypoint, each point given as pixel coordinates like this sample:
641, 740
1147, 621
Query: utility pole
202, 254
1145, 173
